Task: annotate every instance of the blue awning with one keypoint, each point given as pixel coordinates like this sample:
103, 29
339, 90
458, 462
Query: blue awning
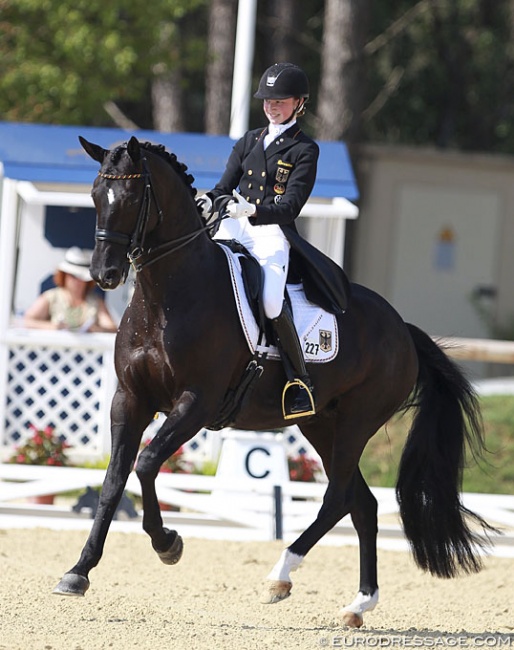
52, 154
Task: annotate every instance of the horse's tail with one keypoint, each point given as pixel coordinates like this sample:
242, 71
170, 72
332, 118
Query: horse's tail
430, 475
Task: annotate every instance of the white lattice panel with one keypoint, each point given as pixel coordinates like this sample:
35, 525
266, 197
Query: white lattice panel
64, 387
57, 387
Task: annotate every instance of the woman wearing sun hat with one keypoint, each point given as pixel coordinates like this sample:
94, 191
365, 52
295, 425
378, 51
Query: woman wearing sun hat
72, 304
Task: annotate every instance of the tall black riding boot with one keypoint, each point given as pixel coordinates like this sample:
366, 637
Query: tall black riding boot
298, 394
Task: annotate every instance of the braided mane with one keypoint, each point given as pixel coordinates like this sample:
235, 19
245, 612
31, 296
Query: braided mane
179, 167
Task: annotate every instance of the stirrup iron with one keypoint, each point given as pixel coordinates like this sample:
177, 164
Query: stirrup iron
287, 413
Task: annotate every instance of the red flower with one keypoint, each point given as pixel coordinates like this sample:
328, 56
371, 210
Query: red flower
42, 448
302, 468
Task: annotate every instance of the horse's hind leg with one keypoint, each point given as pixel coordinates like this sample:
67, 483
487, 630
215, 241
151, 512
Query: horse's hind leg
336, 504
340, 458
364, 518
346, 493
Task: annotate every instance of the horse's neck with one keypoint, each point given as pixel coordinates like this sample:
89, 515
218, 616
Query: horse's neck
177, 222
192, 268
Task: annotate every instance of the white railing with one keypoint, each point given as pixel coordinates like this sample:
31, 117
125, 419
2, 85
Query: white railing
230, 506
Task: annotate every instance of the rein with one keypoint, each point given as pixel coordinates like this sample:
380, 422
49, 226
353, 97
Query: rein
135, 242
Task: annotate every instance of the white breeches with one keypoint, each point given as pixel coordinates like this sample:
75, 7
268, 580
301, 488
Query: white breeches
269, 246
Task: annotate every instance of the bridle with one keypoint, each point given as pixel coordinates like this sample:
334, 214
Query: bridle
138, 256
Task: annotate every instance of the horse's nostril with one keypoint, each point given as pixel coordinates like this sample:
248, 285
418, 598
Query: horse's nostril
109, 279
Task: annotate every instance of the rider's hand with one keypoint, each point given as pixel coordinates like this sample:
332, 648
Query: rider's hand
239, 207
204, 202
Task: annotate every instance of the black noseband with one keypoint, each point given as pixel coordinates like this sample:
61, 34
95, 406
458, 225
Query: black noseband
110, 235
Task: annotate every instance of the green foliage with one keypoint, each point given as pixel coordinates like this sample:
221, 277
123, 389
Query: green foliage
206, 468
495, 474
100, 463
444, 73
62, 59
438, 73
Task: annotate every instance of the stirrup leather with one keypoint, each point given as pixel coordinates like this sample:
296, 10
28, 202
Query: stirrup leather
290, 416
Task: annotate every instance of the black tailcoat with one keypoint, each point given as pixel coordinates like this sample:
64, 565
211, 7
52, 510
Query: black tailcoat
278, 181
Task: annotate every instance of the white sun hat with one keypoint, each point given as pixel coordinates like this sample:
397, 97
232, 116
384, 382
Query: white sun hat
76, 262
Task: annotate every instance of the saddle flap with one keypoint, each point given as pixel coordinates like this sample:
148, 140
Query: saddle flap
317, 329
252, 276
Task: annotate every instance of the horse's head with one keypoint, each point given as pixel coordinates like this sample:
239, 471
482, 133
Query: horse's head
128, 197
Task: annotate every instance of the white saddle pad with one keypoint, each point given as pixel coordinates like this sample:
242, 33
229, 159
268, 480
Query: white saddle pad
317, 329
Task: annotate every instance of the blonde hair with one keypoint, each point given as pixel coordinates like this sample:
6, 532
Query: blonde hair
302, 108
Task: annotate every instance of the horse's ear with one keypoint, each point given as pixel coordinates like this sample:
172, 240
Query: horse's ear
133, 149
94, 150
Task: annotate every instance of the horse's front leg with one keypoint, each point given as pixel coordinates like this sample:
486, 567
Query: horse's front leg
128, 421
184, 421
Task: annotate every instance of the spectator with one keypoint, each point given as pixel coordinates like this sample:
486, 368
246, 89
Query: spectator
72, 304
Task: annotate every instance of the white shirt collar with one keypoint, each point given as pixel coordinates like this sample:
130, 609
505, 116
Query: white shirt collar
274, 130
277, 129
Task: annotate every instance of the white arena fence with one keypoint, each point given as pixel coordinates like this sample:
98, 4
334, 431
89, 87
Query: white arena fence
224, 507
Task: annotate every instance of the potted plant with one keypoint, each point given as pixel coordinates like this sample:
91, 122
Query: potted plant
43, 447
303, 468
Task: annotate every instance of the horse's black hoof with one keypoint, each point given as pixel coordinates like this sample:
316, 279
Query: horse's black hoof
72, 585
174, 552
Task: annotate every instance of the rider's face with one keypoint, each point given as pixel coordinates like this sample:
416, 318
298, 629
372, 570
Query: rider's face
279, 110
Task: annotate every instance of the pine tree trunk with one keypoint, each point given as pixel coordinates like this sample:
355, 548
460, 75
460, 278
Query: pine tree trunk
342, 71
282, 27
221, 43
167, 102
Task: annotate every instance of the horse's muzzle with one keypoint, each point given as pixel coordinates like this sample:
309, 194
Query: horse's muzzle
109, 278
108, 270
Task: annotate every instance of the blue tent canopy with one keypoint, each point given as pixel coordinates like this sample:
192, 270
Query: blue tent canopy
52, 154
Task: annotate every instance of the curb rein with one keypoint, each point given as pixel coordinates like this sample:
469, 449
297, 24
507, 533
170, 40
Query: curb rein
135, 242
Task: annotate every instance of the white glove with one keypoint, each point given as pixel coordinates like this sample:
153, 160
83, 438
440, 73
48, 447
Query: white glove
239, 207
204, 202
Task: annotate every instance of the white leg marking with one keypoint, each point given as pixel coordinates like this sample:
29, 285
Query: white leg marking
363, 603
288, 562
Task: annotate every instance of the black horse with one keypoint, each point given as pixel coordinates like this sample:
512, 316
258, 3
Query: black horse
180, 349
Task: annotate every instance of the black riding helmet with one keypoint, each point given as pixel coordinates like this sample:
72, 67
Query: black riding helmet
283, 80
